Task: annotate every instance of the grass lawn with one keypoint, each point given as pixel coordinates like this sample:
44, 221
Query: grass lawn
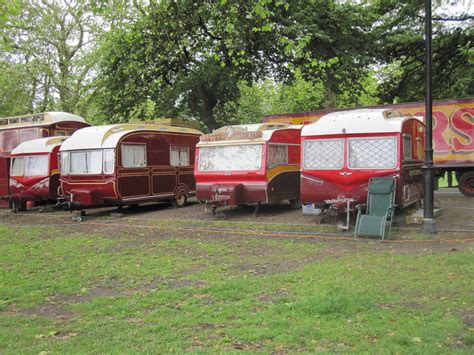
128, 292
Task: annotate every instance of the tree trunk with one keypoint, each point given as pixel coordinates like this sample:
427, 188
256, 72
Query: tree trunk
203, 104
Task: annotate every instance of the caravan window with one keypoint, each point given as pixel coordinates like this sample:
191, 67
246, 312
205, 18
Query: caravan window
230, 158
37, 165
34, 165
109, 160
18, 166
407, 147
133, 155
64, 163
277, 155
324, 154
179, 156
373, 153
86, 162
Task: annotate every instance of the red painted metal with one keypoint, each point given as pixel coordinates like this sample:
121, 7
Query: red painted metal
36, 188
11, 135
265, 185
157, 181
317, 186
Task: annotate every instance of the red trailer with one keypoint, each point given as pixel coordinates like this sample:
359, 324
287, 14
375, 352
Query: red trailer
453, 132
127, 164
343, 150
34, 172
19, 129
248, 164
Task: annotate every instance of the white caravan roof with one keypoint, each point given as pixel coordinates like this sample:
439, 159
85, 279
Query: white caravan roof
357, 121
97, 137
41, 145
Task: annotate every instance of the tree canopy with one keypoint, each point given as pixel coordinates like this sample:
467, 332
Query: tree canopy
225, 61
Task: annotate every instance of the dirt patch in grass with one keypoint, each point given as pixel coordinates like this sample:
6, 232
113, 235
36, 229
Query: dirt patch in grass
175, 283
468, 318
50, 309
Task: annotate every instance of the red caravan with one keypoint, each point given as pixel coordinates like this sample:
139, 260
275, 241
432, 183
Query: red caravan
127, 164
19, 129
34, 172
342, 150
248, 164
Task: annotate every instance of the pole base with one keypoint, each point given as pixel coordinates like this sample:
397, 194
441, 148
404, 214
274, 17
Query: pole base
429, 226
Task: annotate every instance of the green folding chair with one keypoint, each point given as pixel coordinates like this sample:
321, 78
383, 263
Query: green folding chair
379, 209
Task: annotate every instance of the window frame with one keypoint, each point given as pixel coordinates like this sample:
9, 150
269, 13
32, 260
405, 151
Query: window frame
180, 148
395, 138
113, 161
226, 171
85, 151
45, 173
343, 140
286, 155
22, 157
404, 136
134, 144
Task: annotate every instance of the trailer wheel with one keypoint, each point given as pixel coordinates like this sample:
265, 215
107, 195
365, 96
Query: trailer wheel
181, 200
466, 184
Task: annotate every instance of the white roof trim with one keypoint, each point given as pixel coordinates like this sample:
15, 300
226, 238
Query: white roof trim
102, 137
357, 122
41, 145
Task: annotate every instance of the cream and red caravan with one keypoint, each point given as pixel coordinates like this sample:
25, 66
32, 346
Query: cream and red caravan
343, 150
34, 172
19, 129
127, 164
248, 164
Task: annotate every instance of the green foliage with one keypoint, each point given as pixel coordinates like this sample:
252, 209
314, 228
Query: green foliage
401, 51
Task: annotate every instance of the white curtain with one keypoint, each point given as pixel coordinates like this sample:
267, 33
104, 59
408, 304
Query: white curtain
37, 165
133, 155
109, 160
65, 163
18, 166
179, 156
88, 162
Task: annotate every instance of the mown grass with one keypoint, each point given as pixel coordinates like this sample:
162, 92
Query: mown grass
93, 293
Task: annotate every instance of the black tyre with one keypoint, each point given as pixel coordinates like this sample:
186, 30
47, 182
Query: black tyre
466, 184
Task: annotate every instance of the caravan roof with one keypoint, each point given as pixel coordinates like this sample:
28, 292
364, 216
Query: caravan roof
108, 136
41, 145
357, 121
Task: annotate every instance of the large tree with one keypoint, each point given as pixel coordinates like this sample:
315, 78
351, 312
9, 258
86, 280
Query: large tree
188, 56
401, 51
50, 42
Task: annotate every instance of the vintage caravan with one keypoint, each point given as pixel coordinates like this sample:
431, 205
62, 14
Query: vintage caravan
343, 150
19, 129
248, 164
34, 172
453, 129
127, 164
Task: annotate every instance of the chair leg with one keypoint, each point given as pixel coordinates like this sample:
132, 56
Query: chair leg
357, 224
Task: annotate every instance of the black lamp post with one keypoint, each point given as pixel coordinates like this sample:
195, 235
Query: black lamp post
429, 223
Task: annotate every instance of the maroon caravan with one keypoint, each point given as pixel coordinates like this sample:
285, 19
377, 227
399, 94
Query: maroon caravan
34, 172
249, 164
19, 129
128, 164
343, 150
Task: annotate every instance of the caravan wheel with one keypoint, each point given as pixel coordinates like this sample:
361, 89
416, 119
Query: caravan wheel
466, 184
181, 200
